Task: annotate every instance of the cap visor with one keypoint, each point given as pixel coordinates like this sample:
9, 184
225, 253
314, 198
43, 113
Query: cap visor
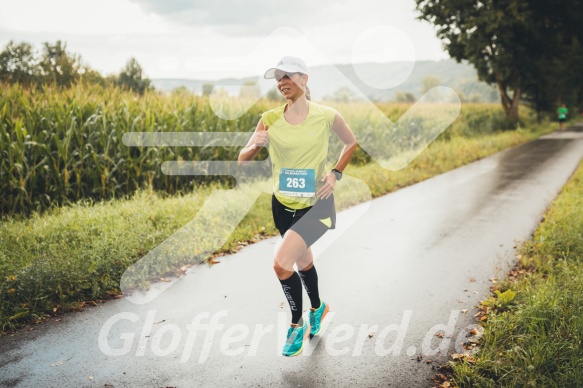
269, 74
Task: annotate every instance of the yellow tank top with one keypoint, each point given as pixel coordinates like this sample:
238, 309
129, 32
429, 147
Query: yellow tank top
301, 146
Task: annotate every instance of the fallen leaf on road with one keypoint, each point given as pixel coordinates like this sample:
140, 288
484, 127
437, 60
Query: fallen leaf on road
58, 363
370, 335
90, 378
464, 311
440, 335
213, 261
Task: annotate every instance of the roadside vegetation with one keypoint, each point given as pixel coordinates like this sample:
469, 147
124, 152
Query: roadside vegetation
533, 322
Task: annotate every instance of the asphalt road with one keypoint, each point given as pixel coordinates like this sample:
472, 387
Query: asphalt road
401, 268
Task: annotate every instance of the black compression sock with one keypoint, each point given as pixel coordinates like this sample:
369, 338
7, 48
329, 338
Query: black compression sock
310, 279
292, 288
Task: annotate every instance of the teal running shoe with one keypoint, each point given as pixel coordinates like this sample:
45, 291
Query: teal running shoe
316, 318
296, 335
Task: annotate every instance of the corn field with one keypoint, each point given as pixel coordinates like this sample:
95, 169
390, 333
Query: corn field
60, 146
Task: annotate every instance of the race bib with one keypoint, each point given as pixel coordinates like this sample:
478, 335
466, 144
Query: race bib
297, 182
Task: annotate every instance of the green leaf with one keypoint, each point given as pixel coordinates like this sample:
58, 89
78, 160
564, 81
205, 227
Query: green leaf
504, 298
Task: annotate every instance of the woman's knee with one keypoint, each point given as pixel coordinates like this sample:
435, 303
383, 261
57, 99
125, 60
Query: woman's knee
281, 272
306, 261
305, 266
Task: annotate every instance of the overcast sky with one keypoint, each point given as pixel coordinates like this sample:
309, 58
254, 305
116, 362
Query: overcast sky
210, 39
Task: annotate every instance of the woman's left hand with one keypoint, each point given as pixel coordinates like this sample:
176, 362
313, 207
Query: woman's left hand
328, 188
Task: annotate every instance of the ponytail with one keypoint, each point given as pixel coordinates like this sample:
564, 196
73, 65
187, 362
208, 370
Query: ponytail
307, 93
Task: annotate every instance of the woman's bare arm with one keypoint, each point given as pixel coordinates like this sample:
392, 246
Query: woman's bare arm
343, 131
258, 140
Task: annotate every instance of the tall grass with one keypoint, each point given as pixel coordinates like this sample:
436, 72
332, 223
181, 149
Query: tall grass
536, 340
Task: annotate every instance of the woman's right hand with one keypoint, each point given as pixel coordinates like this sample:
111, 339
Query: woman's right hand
261, 137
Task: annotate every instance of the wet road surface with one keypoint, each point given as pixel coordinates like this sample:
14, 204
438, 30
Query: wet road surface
401, 268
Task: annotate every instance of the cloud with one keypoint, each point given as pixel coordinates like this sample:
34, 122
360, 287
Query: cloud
249, 17
187, 31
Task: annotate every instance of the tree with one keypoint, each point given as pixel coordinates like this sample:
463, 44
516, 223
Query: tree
343, 94
490, 34
250, 90
18, 63
474, 98
181, 91
429, 82
131, 77
207, 89
58, 66
514, 44
274, 95
560, 37
91, 76
405, 97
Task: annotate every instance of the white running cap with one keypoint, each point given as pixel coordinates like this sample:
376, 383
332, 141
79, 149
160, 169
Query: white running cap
289, 65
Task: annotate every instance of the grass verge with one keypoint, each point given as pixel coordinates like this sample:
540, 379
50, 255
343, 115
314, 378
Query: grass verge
533, 323
57, 261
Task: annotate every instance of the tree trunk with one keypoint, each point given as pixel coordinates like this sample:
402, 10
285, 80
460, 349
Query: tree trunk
510, 105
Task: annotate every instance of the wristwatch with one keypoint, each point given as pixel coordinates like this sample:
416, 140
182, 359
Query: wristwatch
338, 174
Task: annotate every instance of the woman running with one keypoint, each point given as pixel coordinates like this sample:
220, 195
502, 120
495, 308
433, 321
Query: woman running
302, 202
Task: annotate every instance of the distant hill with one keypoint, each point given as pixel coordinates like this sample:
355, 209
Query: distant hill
326, 80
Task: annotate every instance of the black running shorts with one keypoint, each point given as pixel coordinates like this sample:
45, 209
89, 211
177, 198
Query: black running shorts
310, 223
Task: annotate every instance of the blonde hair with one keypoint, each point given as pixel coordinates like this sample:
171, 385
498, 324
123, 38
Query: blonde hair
306, 88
